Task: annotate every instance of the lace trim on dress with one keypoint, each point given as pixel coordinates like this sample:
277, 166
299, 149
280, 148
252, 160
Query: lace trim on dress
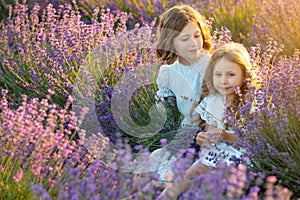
164, 92
205, 114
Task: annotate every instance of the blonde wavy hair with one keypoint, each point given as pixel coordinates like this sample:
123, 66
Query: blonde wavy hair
236, 53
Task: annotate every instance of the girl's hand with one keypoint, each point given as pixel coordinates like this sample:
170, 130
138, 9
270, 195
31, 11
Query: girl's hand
195, 119
209, 138
201, 138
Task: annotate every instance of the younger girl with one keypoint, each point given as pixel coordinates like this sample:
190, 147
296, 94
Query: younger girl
228, 72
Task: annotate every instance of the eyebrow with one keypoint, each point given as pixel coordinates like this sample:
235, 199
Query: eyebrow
186, 34
226, 71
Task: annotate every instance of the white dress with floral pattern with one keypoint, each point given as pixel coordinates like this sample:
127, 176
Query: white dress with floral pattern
212, 110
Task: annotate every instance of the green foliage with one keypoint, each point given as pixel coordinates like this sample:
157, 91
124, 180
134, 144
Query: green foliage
4, 8
10, 189
171, 125
237, 16
278, 20
283, 154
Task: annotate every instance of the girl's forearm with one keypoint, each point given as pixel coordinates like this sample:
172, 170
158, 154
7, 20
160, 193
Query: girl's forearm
229, 137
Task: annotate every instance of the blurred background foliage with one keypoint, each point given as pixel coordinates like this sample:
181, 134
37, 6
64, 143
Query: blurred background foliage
250, 21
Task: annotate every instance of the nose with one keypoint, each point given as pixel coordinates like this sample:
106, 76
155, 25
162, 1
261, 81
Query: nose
224, 79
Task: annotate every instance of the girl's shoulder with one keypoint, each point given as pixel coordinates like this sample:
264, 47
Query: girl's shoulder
166, 67
211, 109
205, 57
163, 75
203, 62
214, 98
214, 103
211, 101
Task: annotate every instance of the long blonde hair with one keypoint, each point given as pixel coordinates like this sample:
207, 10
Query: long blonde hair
236, 53
172, 22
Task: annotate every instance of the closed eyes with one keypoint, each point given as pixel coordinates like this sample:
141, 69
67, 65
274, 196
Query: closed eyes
231, 74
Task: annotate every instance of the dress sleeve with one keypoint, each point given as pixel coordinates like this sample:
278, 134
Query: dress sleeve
163, 82
205, 111
201, 109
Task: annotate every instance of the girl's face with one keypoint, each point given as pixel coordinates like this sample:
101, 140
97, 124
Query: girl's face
188, 44
227, 76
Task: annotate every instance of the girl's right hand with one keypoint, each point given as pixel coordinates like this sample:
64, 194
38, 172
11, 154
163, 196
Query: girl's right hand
208, 138
202, 138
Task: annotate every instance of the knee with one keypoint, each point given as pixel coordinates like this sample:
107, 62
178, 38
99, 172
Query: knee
195, 170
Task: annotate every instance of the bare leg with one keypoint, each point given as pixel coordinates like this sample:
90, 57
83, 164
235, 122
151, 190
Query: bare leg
140, 195
173, 190
136, 181
140, 179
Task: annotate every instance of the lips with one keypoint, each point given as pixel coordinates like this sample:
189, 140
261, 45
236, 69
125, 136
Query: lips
193, 51
226, 88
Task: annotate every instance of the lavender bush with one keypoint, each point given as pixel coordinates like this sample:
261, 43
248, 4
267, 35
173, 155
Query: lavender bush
42, 52
44, 161
250, 22
46, 51
36, 145
275, 127
271, 131
277, 20
50, 57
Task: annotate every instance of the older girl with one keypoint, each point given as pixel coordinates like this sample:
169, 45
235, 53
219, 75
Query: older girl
184, 43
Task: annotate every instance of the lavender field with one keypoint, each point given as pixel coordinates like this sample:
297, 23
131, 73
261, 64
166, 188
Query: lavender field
78, 109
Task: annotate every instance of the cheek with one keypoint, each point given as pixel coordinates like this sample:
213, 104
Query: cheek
175, 45
239, 82
200, 42
242, 79
215, 82
178, 47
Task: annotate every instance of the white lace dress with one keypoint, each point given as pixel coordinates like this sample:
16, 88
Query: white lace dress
185, 83
212, 110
